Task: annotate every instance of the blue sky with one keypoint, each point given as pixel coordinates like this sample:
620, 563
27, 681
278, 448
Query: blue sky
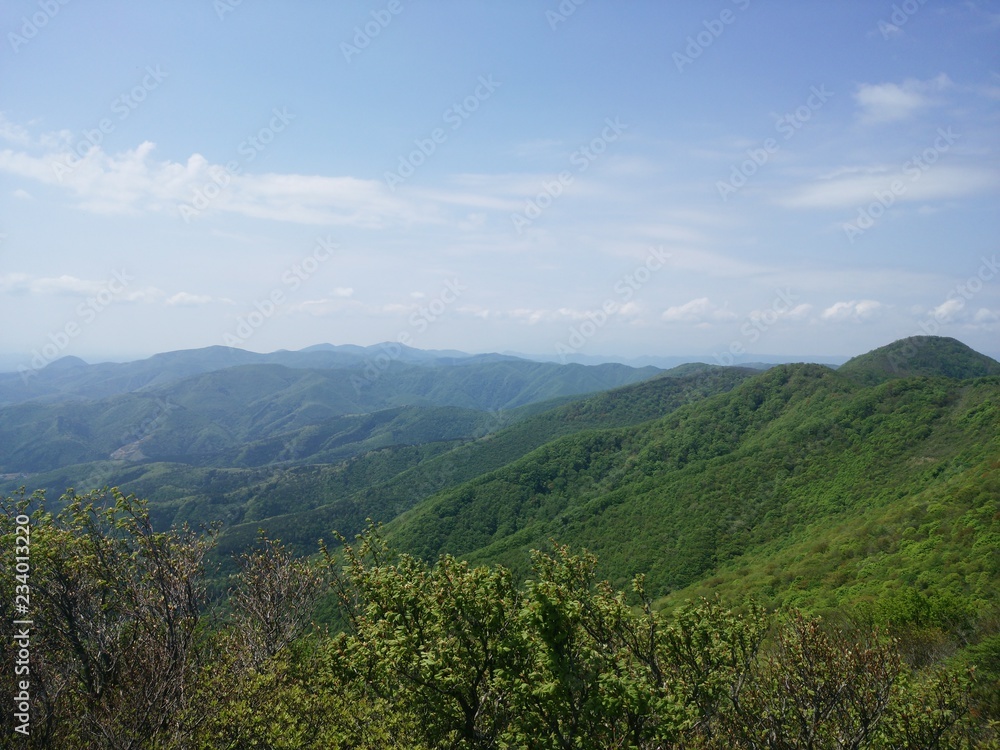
722, 180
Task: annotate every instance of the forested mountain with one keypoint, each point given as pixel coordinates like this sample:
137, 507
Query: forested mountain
795, 449
72, 378
868, 496
920, 355
194, 419
380, 463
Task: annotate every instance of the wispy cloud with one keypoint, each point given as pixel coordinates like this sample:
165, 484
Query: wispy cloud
67, 285
890, 102
133, 181
186, 299
857, 186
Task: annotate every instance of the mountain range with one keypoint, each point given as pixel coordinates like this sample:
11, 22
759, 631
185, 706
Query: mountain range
683, 474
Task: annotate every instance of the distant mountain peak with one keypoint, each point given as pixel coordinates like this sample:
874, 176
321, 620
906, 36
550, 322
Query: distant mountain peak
929, 356
66, 363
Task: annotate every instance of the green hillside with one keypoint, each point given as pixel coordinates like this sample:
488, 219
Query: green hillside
342, 497
206, 417
334, 475
920, 355
797, 447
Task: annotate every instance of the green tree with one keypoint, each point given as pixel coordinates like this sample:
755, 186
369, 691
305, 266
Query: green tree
116, 609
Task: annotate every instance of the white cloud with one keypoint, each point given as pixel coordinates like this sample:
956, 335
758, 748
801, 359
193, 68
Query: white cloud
986, 316
854, 311
72, 286
533, 316
186, 299
13, 283
20, 283
67, 284
21, 136
860, 187
14, 133
147, 294
343, 291
474, 310
700, 310
889, 102
778, 311
133, 181
335, 305
947, 311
